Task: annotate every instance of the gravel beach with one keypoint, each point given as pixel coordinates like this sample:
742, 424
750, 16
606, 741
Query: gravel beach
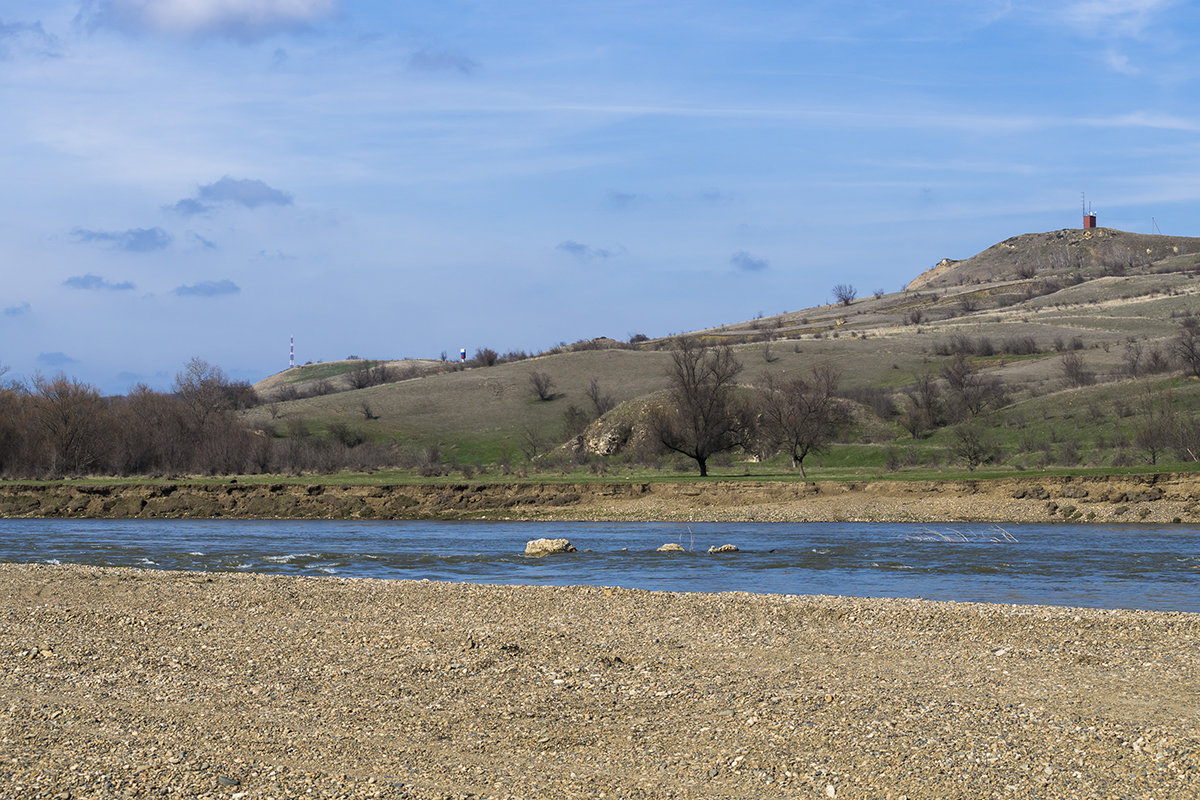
133, 683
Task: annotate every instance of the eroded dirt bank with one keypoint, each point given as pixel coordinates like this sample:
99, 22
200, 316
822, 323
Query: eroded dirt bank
123, 683
1150, 498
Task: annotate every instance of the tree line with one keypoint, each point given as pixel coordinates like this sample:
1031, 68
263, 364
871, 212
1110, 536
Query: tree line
707, 411
60, 426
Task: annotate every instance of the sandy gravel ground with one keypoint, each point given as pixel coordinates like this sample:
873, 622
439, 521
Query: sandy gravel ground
128, 683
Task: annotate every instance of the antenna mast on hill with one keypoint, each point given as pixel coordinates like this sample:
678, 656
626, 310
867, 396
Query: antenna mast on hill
1155, 226
292, 353
1089, 218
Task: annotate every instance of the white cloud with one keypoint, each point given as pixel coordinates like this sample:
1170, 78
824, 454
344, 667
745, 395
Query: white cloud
1119, 62
237, 19
1114, 18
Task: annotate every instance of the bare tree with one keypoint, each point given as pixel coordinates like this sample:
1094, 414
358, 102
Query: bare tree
800, 416
922, 407
844, 293
602, 402
1186, 345
1132, 358
575, 422
205, 388
1075, 373
371, 375
970, 445
702, 416
73, 417
971, 392
1160, 426
486, 357
542, 385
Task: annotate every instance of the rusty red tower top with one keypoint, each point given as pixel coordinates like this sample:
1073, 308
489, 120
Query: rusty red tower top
1089, 218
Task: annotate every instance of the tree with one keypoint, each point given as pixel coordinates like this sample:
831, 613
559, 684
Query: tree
1160, 427
206, 390
969, 445
971, 392
1075, 373
844, 293
602, 402
1186, 345
74, 418
702, 416
923, 407
799, 416
542, 385
486, 357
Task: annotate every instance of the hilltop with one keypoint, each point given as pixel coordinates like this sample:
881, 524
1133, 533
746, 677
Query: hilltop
1078, 326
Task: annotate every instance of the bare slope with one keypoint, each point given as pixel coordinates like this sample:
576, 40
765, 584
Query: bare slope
1089, 253
1015, 310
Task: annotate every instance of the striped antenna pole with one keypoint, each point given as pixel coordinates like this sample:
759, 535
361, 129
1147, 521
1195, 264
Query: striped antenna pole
292, 354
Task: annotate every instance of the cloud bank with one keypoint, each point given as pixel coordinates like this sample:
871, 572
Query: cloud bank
747, 262
583, 251
241, 20
208, 289
134, 240
55, 359
18, 310
248, 193
95, 282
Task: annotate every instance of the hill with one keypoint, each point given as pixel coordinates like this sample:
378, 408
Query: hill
1079, 327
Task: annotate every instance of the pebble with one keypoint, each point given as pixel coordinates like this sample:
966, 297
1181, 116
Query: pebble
352, 688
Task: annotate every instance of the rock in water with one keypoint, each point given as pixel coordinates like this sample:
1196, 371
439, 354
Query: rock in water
542, 547
671, 547
725, 548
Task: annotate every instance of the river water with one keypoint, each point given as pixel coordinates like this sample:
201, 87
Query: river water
1132, 566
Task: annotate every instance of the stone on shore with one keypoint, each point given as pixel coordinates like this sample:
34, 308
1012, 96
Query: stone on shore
544, 547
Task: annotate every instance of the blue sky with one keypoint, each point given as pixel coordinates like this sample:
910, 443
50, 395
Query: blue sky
387, 179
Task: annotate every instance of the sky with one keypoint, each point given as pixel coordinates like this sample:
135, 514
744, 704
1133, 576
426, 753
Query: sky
207, 178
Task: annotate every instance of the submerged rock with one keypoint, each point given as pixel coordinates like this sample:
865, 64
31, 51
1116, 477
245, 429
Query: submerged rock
725, 548
671, 547
542, 547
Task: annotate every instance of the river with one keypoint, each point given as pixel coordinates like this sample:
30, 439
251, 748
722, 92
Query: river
1129, 566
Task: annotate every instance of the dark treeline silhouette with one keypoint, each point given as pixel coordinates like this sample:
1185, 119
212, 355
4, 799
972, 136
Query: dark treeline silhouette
60, 426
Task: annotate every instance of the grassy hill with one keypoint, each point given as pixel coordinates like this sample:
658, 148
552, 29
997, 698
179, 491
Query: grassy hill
1107, 302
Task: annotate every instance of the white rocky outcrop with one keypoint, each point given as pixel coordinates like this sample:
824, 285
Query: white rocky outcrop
544, 547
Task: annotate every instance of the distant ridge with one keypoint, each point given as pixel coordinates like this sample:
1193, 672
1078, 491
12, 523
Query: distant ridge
1088, 253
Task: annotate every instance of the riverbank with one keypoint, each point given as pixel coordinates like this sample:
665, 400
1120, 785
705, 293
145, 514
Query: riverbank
130, 683
1163, 498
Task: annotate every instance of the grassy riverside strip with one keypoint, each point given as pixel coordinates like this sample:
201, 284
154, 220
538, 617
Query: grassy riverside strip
123, 682
1133, 498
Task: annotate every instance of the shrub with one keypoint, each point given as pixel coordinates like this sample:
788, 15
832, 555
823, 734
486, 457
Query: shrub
542, 385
